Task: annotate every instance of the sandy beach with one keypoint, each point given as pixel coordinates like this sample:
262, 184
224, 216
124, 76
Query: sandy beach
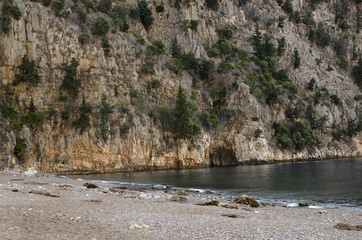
45, 206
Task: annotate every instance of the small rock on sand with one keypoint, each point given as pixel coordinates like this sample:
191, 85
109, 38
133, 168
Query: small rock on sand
44, 193
210, 203
139, 226
178, 199
306, 204
90, 185
344, 226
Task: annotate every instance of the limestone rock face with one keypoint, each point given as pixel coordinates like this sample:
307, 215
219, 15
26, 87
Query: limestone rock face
57, 146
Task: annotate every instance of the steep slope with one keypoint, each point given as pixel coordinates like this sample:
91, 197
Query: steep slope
243, 105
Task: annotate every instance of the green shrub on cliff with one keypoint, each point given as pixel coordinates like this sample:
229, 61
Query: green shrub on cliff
302, 136
134, 13
124, 129
156, 48
119, 16
5, 24
19, 149
226, 33
27, 72
104, 114
322, 37
257, 133
145, 14
81, 14
8, 112
84, 38
336, 100
357, 72
105, 5
83, 121
32, 118
100, 27
213, 4
296, 59
58, 6
206, 67
160, 8
262, 45
208, 119
8, 11
89, 5
71, 83
178, 119
282, 135
106, 46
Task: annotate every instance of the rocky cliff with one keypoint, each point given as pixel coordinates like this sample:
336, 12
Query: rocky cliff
243, 95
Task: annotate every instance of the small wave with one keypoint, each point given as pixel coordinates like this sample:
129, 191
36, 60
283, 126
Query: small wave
315, 207
197, 190
292, 204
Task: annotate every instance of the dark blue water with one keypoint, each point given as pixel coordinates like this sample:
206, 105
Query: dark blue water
332, 183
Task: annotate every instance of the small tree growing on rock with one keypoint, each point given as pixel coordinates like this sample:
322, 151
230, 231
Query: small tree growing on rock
145, 14
281, 46
27, 72
101, 27
83, 121
104, 113
19, 149
296, 59
71, 83
182, 114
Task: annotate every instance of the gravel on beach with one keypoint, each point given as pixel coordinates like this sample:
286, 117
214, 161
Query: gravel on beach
45, 206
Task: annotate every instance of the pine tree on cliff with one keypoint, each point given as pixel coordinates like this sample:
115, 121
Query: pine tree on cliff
296, 59
71, 83
83, 122
175, 49
182, 115
257, 41
145, 14
27, 72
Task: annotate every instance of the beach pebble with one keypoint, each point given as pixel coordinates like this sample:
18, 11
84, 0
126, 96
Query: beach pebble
44, 193
139, 226
306, 204
90, 185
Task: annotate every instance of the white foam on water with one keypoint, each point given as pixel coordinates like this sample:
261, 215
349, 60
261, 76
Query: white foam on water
292, 205
197, 190
315, 207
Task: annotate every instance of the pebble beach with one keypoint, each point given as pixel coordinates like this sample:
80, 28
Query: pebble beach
46, 206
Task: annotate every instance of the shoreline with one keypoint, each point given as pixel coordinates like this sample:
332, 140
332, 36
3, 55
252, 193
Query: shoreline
46, 206
244, 163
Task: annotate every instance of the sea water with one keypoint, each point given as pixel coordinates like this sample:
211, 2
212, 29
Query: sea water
330, 183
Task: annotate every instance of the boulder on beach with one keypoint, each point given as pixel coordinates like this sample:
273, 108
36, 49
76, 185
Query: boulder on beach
244, 199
